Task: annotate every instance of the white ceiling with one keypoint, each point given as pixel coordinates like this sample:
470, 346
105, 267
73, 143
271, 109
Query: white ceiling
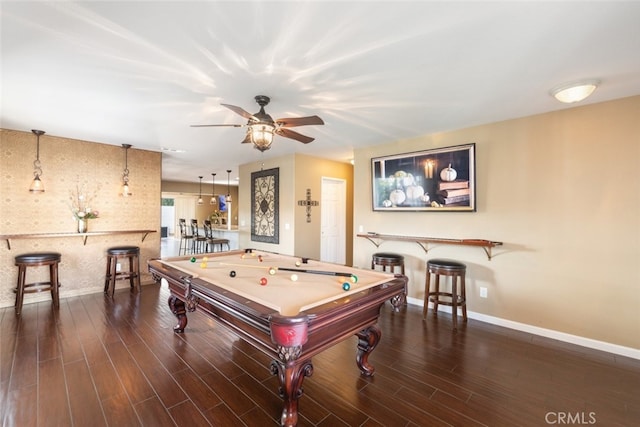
142, 72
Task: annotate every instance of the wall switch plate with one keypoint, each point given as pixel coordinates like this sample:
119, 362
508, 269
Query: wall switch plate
483, 292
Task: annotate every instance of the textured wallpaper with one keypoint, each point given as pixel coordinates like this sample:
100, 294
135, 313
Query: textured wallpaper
70, 166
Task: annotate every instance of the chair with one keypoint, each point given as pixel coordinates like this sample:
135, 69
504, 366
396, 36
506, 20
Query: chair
50, 259
132, 253
199, 242
456, 298
186, 238
213, 241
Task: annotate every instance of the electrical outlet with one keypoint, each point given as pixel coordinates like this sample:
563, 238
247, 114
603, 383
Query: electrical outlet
483, 292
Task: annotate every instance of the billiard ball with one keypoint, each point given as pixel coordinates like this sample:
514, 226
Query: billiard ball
193, 259
203, 265
205, 259
272, 271
294, 277
297, 263
263, 281
232, 273
354, 278
346, 286
260, 258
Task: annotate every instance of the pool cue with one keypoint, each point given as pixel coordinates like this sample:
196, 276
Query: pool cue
327, 273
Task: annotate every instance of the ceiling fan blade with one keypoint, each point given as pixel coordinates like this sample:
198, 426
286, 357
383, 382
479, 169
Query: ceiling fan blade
208, 126
247, 139
300, 121
241, 111
288, 133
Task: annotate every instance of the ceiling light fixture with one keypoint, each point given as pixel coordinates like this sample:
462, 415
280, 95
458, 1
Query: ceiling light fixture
36, 185
125, 173
574, 92
200, 196
228, 192
261, 135
214, 199
261, 131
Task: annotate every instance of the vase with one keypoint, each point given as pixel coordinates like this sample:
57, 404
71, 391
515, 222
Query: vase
82, 226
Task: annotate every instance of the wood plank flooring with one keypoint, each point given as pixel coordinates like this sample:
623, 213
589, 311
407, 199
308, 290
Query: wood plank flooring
116, 362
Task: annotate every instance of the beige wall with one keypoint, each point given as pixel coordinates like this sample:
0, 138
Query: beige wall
296, 174
309, 174
561, 190
65, 164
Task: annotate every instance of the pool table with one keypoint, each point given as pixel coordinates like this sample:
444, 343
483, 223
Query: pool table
288, 307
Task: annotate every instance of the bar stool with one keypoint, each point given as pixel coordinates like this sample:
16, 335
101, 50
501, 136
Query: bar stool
456, 298
132, 253
391, 260
51, 259
388, 259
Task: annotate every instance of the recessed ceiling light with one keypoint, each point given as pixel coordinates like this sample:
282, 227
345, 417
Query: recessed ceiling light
574, 92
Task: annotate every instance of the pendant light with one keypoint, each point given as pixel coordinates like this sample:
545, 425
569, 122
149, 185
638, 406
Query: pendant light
125, 174
200, 197
214, 200
228, 192
36, 185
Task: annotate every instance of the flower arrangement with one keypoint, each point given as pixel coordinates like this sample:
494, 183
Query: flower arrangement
80, 205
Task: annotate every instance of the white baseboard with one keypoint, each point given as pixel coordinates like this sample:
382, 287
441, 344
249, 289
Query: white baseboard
548, 333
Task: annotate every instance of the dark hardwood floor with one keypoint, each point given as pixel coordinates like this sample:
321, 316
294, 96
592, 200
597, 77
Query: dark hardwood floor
116, 362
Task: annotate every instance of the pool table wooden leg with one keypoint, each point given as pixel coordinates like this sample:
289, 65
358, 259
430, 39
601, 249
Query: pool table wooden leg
367, 341
290, 376
176, 305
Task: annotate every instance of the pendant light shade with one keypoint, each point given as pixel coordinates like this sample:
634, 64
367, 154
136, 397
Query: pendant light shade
228, 192
214, 199
36, 185
200, 196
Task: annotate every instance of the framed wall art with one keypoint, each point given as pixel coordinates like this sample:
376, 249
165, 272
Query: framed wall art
441, 179
265, 206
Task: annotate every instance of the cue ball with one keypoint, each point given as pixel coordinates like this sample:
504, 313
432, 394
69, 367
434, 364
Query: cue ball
346, 286
232, 273
297, 263
294, 277
272, 271
193, 259
263, 281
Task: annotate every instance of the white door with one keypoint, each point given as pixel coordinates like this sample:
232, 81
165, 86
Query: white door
333, 207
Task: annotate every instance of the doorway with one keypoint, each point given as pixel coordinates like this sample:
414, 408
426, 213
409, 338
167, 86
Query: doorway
333, 207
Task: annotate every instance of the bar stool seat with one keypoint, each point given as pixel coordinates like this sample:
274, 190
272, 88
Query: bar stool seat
387, 259
456, 298
132, 253
51, 259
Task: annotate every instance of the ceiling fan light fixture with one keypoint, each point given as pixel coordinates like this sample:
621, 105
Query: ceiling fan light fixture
261, 135
574, 92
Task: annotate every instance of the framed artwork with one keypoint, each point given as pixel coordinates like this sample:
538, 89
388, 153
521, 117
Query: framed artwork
265, 206
437, 180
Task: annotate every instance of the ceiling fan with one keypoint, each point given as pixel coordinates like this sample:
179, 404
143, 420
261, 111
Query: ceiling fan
262, 127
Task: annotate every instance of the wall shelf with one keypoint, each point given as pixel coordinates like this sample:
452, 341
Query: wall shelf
84, 236
423, 242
